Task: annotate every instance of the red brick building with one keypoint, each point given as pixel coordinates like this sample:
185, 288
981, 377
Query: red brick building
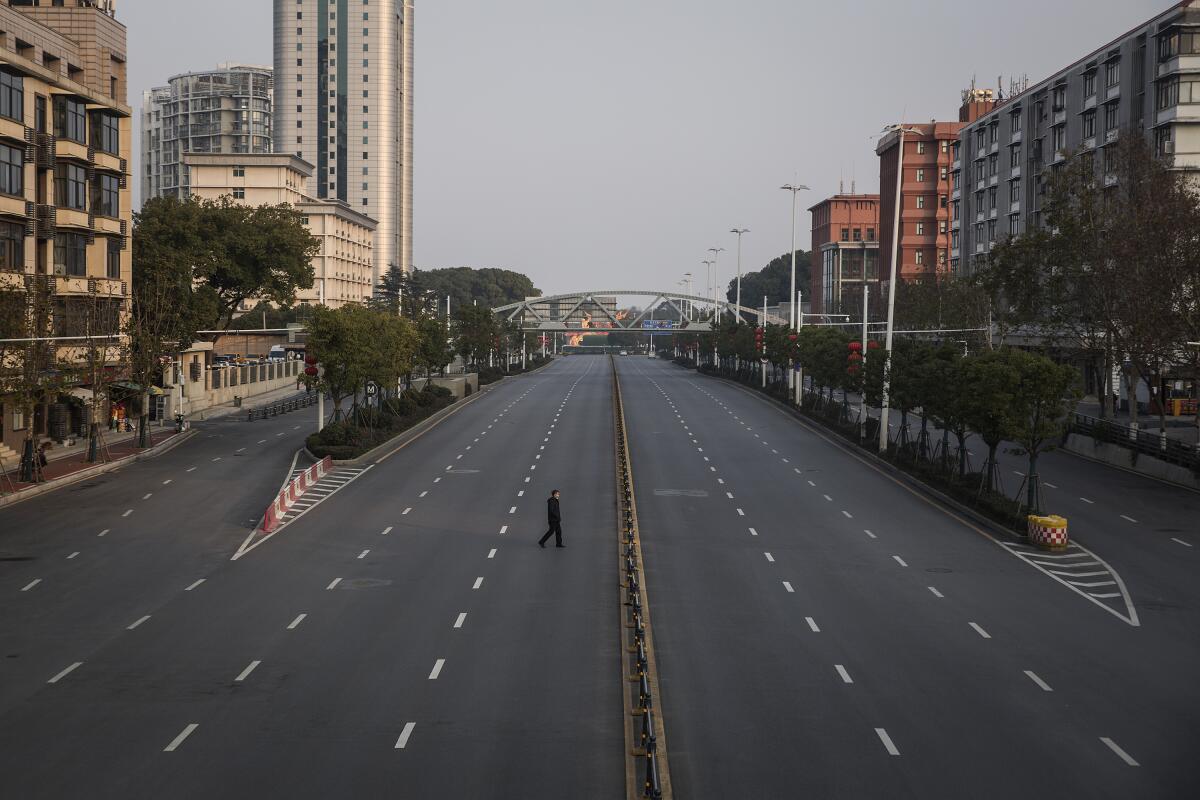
845, 251
926, 210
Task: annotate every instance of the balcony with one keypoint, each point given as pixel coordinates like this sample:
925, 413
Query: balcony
993, 180
72, 218
1110, 180
1060, 116
956, 194
1110, 136
1112, 92
954, 252
1088, 143
1015, 172
1014, 207
981, 183
1016, 136
15, 206
1089, 102
992, 214
956, 165
65, 148
11, 129
108, 161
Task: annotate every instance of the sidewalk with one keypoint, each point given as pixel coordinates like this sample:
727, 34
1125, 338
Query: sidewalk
265, 399
66, 464
1182, 427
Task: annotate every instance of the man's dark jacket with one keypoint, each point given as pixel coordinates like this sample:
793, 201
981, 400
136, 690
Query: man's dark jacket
552, 512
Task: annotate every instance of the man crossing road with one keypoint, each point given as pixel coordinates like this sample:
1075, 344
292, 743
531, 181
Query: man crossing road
554, 516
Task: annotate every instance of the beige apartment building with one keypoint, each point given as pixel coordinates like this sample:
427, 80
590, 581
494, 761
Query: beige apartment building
65, 202
343, 267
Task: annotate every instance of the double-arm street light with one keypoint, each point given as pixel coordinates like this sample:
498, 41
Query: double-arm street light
887, 347
715, 251
794, 189
708, 272
738, 301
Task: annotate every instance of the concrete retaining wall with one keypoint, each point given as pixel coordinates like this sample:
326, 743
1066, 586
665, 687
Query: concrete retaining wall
1132, 460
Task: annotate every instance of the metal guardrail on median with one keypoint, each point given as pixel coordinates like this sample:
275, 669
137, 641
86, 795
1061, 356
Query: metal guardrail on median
1152, 443
282, 407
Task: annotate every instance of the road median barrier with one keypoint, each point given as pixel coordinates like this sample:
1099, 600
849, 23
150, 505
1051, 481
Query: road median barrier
645, 745
1048, 532
294, 490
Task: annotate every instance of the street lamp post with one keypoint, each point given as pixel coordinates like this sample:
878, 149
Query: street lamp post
887, 346
715, 251
794, 189
708, 272
738, 301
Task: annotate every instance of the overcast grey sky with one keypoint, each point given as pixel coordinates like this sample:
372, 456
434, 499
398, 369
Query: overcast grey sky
596, 145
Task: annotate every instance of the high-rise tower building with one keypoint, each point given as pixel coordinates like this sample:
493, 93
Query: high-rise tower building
343, 102
225, 110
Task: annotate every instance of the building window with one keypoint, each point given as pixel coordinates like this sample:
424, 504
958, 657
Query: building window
106, 133
239, 193
945, 146
1059, 98
1178, 43
941, 226
12, 96
920, 148
920, 201
1089, 83
991, 228
1014, 156
993, 132
12, 170
1111, 116
70, 119
1014, 120
943, 173
1014, 224
70, 254
1112, 74
920, 229
991, 198
1089, 124
993, 164
1060, 138
1014, 191
106, 201
920, 173
70, 186
943, 200
858, 234
12, 246
919, 257
239, 172
1162, 141
845, 234
113, 262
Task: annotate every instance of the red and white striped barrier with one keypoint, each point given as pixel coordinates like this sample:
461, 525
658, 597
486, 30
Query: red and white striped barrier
1049, 532
296, 487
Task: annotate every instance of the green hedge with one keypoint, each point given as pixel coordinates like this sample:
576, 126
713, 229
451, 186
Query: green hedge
371, 427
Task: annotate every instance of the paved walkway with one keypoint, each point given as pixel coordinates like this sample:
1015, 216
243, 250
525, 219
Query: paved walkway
62, 461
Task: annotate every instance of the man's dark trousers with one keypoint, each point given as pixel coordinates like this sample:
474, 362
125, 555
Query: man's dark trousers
556, 529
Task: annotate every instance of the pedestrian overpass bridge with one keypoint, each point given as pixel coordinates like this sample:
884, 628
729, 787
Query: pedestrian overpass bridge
597, 310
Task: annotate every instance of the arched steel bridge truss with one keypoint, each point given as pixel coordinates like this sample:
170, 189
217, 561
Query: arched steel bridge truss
555, 312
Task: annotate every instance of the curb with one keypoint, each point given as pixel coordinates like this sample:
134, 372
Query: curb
871, 459
99, 469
